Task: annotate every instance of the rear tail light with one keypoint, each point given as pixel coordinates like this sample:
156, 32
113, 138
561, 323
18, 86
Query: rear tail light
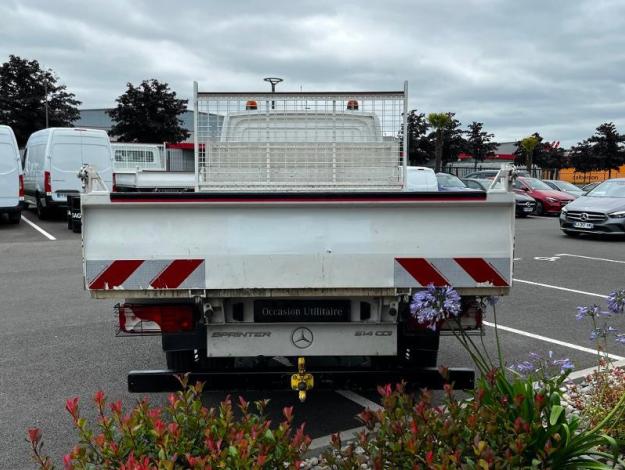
136, 319
114, 188
47, 183
21, 190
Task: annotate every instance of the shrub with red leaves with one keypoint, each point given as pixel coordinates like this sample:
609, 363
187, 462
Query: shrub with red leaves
182, 435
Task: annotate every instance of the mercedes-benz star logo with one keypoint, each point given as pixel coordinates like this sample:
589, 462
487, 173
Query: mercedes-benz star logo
302, 337
584, 216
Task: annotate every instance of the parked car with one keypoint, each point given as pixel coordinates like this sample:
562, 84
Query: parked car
491, 174
52, 161
447, 182
525, 205
11, 178
564, 186
590, 186
421, 178
602, 211
548, 200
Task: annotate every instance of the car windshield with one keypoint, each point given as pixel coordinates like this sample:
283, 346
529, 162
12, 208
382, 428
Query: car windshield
536, 184
450, 181
609, 189
566, 186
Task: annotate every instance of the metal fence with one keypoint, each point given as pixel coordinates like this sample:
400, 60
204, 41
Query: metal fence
299, 141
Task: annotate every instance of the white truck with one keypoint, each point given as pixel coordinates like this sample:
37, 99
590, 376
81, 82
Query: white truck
144, 168
299, 248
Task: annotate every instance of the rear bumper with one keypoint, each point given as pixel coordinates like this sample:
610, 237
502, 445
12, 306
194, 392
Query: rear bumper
11, 209
271, 379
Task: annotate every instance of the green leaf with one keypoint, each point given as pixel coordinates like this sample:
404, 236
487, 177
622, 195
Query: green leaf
269, 435
233, 451
556, 411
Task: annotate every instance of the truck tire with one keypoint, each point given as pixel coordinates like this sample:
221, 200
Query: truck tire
76, 226
42, 212
180, 361
15, 217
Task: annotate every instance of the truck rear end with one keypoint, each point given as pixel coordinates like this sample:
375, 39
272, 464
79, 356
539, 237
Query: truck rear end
299, 244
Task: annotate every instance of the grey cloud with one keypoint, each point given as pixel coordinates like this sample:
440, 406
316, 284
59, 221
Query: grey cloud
553, 67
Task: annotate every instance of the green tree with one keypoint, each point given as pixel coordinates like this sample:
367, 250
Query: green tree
551, 157
479, 142
528, 149
419, 145
439, 121
447, 138
607, 146
149, 113
24, 90
583, 158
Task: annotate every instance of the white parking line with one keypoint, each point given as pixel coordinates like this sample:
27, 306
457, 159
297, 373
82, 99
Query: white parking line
551, 340
592, 258
360, 400
38, 228
566, 289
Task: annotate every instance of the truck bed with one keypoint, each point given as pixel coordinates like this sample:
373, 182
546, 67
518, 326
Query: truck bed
329, 244
151, 180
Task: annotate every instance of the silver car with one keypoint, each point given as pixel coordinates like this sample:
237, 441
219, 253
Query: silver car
601, 211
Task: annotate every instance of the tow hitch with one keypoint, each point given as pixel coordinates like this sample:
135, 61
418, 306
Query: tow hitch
302, 381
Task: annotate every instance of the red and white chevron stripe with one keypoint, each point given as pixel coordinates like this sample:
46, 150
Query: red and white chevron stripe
455, 272
145, 274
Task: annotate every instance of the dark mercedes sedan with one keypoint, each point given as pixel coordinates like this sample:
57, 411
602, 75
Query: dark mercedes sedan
601, 211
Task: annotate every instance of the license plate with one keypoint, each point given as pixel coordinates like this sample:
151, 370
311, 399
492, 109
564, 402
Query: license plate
528, 209
302, 311
583, 225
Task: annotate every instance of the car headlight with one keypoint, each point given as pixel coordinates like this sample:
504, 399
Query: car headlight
551, 199
617, 215
564, 210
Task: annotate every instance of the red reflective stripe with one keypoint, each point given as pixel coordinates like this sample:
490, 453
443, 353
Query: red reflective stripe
174, 274
116, 274
422, 271
481, 270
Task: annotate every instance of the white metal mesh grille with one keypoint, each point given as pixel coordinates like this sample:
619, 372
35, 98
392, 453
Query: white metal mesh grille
299, 141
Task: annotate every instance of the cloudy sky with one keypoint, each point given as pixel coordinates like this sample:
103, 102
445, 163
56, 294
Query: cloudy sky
519, 66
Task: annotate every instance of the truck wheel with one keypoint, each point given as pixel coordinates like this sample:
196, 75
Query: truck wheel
76, 226
42, 212
180, 361
15, 217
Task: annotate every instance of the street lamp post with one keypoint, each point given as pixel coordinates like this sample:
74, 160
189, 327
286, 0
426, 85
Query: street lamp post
45, 88
274, 81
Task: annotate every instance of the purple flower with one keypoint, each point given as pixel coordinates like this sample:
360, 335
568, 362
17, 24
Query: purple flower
524, 368
587, 311
433, 305
492, 300
564, 364
545, 366
616, 301
603, 332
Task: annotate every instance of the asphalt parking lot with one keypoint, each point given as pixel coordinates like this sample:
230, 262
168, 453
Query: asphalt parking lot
56, 342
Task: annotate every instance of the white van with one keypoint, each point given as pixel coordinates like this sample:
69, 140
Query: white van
53, 158
11, 178
421, 178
